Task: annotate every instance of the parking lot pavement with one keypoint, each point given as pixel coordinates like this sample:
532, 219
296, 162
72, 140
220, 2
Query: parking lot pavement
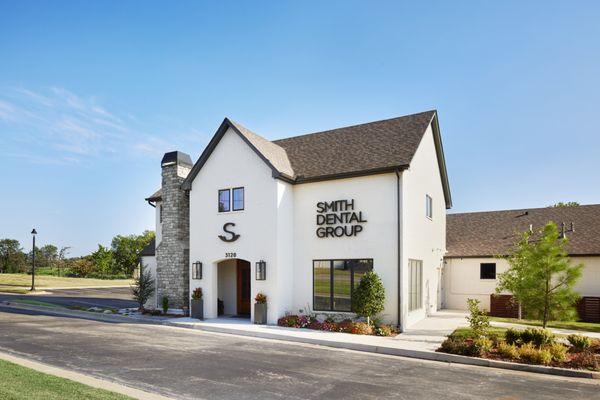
190, 364
110, 297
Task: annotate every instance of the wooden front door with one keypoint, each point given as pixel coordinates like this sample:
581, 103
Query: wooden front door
243, 287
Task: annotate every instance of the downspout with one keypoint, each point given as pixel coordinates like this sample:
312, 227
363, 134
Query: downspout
399, 234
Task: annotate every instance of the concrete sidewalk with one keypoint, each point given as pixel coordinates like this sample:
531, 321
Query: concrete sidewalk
426, 335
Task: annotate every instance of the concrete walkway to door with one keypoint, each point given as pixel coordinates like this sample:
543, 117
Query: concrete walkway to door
426, 335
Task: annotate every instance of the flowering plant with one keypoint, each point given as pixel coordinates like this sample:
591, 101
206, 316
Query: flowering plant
260, 298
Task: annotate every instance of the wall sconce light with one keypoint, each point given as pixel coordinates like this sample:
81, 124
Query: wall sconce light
261, 270
197, 270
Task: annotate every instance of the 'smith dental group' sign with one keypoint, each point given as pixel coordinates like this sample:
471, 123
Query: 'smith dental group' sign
338, 218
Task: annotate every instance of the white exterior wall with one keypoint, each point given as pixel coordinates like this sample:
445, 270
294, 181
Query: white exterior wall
423, 238
376, 197
234, 164
149, 264
461, 280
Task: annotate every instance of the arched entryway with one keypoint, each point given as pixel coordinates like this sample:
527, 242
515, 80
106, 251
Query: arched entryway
233, 288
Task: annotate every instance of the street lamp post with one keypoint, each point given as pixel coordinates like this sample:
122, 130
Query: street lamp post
33, 233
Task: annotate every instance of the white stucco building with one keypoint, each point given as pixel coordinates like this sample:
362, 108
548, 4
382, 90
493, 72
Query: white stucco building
477, 241
301, 219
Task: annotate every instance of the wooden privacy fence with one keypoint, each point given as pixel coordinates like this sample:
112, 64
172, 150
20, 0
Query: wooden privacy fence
503, 305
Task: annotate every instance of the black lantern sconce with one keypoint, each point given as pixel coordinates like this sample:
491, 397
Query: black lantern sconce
261, 270
197, 270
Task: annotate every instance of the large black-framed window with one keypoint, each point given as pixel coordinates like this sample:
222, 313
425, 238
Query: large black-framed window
224, 200
237, 195
334, 280
487, 271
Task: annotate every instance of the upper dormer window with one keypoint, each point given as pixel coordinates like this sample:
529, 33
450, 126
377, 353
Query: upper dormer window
231, 199
428, 206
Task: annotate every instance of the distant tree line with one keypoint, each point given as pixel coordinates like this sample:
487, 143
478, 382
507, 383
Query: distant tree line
117, 261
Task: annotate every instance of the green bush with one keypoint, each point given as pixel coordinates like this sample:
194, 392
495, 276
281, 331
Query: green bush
369, 296
165, 304
483, 345
579, 342
385, 330
530, 353
542, 356
458, 346
512, 336
558, 351
510, 351
478, 318
538, 336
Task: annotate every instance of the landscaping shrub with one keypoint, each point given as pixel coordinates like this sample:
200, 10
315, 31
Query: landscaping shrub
512, 336
369, 296
531, 353
362, 328
290, 321
558, 351
459, 346
538, 336
483, 345
384, 330
527, 351
478, 318
165, 304
579, 342
510, 351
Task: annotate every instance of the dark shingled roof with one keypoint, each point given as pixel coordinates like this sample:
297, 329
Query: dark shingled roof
495, 232
149, 250
375, 147
390, 143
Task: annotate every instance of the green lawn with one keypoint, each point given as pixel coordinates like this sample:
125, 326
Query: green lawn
467, 333
35, 303
20, 283
571, 325
20, 383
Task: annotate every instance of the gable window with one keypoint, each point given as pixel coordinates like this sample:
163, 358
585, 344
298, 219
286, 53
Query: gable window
238, 198
428, 206
415, 285
224, 197
487, 271
334, 280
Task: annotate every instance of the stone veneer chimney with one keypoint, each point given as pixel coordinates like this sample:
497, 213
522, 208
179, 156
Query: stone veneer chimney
173, 252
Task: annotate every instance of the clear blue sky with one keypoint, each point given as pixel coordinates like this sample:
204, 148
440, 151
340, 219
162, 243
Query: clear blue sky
93, 93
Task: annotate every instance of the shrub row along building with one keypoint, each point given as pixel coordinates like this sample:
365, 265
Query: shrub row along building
302, 219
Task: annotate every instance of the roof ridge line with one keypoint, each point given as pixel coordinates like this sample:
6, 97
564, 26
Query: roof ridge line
354, 126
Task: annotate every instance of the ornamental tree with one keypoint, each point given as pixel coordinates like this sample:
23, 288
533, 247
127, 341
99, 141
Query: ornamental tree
541, 277
369, 296
143, 287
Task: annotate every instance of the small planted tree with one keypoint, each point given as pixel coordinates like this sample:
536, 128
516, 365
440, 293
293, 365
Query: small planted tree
541, 277
369, 296
143, 287
478, 319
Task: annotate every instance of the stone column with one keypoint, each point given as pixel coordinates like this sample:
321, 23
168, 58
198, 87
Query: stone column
172, 254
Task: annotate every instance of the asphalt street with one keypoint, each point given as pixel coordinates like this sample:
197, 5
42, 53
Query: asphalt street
116, 297
190, 364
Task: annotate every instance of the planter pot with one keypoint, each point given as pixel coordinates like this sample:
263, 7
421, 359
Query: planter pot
198, 309
260, 313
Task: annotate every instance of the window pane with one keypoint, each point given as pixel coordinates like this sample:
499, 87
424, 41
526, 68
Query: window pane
238, 199
322, 285
341, 286
224, 200
487, 271
415, 282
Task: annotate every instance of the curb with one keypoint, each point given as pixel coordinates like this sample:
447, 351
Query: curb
393, 351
